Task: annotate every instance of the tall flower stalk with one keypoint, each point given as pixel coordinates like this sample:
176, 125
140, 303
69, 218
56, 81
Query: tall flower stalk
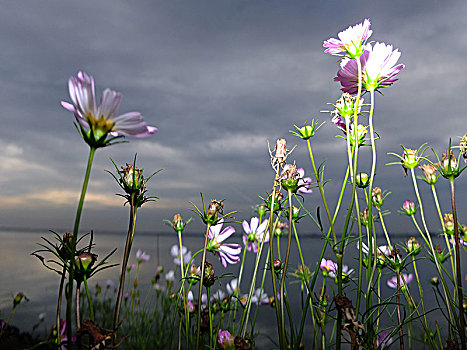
130, 178
99, 126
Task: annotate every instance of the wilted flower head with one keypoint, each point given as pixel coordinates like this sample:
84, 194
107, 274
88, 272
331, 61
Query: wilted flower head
293, 179
303, 273
254, 234
378, 197
413, 246
227, 252
178, 223
98, 121
194, 274
378, 69
279, 229
175, 252
440, 256
209, 274
351, 41
449, 165
403, 281
430, 173
225, 340
449, 224
142, 256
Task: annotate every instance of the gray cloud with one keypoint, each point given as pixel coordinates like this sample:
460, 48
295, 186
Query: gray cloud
218, 79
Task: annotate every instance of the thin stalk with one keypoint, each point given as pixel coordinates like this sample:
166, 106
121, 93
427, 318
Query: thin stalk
435, 197
200, 294
271, 262
238, 287
126, 254
384, 228
401, 331
260, 292
458, 266
427, 232
210, 316
59, 305
78, 314
88, 295
321, 191
69, 304
185, 301
286, 262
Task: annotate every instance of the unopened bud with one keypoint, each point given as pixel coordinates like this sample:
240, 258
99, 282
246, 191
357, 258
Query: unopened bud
362, 180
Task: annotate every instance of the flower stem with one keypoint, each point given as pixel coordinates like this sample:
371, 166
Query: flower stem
69, 304
126, 254
200, 294
88, 295
458, 267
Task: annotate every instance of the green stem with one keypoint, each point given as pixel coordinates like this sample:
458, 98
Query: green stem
69, 304
430, 244
460, 298
126, 254
185, 301
88, 295
286, 262
200, 293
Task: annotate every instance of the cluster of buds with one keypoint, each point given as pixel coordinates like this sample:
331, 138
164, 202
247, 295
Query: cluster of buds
378, 197
431, 177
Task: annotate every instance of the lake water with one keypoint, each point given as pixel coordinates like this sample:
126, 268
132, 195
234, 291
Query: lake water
22, 272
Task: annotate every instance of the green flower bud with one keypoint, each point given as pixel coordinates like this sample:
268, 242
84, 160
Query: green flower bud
362, 180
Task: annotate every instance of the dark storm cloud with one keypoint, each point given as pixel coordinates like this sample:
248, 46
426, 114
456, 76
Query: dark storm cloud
218, 79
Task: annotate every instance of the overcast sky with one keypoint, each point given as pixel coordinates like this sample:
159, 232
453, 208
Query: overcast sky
219, 79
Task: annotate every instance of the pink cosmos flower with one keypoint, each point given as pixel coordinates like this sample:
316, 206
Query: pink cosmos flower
404, 280
102, 119
350, 41
227, 252
383, 340
461, 242
225, 340
254, 234
142, 256
378, 69
327, 265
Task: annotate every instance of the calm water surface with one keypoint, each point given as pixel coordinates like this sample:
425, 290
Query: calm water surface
22, 272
